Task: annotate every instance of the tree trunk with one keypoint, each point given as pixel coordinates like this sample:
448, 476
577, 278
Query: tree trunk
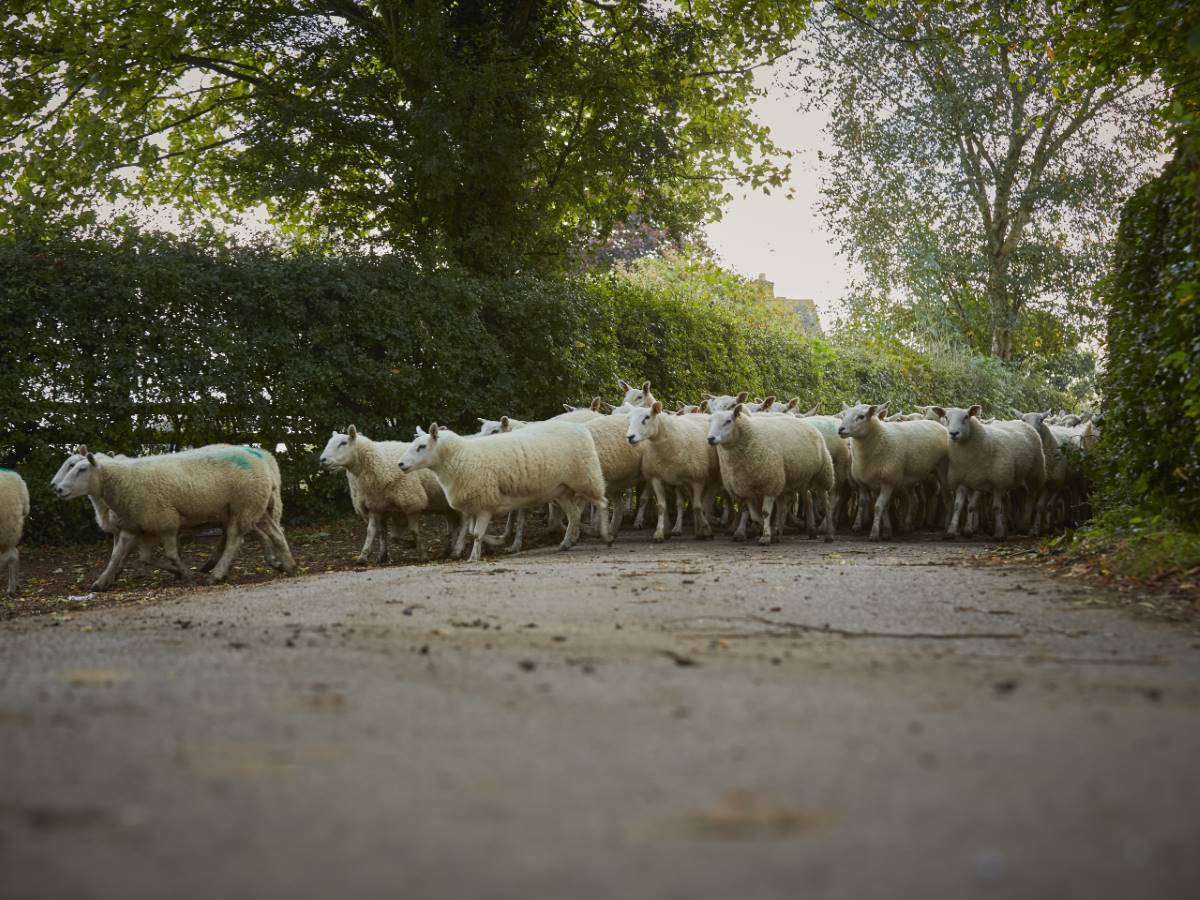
1003, 315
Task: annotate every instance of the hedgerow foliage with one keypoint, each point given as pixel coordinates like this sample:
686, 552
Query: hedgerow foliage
1152, 385
138, 342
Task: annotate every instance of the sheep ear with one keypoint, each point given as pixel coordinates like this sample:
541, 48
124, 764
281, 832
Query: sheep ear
883, 410
625, 385
704, 402
352, 432
504, 421
811, 412
872, 411
739, 409
741, 398
646, 388
82, 450
769, 402
91, 459
433, 430
656, 408
421, 431
793, 403
596, 404
481, 420
568, 407
938, 411
708, 397
607, 407
975, 410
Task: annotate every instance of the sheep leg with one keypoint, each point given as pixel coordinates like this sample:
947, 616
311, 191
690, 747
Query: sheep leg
644, 496
960, 500
881, 522
972, 514
810, 517
739, 533
768, 511
9, 560
268, 544
479, 528
170, 547
863, 512
660, 498
618, 516
125, 542
700, 524
827, 525
573, 524
519, 536
369, 543
998, 509
233, 543
273, 532
385, 544
677, 530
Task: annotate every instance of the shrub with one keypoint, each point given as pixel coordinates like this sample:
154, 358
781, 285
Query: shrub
140, 342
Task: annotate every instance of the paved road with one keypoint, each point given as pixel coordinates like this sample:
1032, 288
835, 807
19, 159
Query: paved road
687, 721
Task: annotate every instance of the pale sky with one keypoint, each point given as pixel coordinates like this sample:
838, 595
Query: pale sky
781, 238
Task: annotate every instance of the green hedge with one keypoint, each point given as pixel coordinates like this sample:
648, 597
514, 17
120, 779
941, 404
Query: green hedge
1150, 449
140, 342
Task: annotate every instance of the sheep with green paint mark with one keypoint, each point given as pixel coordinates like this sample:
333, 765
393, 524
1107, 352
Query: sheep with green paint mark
156, 496
14, 510
146, 544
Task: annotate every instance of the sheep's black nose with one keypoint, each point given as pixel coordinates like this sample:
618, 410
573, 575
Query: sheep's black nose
712, 440
631, 438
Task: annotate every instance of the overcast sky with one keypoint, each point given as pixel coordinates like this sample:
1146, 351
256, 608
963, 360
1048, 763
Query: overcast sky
781, 238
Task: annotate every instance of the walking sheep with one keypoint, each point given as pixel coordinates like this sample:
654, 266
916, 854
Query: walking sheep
764, 458
997, 458
381, 490
887, 456
157, 495
14, 510
550, 461
676, 452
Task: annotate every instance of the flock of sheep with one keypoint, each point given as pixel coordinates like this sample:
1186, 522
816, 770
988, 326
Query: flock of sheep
736, 463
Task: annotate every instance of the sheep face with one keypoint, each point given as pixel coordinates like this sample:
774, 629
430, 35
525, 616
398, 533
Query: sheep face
493, 426
422, 452
722, 426
77, 480
725, 402
960, 422
856, 420
634, 396
1035, 419
338, 451
63, 469
643, 423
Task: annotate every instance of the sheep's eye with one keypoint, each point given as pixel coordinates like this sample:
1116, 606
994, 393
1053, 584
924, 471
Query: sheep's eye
343, 443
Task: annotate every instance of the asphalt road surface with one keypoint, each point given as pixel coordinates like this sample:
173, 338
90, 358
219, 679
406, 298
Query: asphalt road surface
694, 720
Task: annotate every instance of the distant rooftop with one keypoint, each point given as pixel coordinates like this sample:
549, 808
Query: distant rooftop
805, 308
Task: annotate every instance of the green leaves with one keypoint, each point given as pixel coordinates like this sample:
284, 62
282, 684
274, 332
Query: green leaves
499, 135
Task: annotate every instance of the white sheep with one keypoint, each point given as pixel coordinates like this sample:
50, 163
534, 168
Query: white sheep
159, 495
107, 520
887, 456
839, 452
620, 461
636, 396
380, 490
579, 413
676, 452
724, 401
550, 461
997, 458
764, 458
14, 510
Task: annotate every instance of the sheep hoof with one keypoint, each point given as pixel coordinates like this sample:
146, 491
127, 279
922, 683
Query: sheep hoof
829, 538
659, 538
950, 536
764, 540
360, 559
214, 579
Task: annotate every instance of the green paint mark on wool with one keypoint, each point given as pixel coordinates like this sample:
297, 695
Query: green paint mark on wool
4, 471
254, 450
235, 456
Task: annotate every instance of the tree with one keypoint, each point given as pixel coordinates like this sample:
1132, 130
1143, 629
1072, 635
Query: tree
497, 134
971, 183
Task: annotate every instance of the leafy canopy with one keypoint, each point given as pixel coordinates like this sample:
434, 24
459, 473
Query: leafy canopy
975, 186
494, 133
